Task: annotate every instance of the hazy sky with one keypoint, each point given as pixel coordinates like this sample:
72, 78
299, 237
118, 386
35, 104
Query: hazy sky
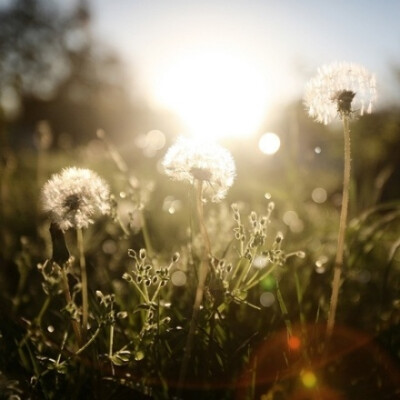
226, 66
286, 39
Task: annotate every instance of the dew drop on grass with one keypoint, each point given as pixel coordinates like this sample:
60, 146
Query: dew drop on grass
50, 328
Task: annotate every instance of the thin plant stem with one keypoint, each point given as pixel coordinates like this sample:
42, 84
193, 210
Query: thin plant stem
85, 297
43, 310
246, 265
146, 235
253, 380
202, 276
89, 342
37, 321
62, 347
284, 310
200, 215
251, 283
123, 227
110, 349
299, 294
336, 282
68, 299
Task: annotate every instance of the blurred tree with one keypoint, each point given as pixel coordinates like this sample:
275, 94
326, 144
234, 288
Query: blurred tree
51, 68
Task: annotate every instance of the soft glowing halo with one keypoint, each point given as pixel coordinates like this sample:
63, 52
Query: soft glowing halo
215, 94
319, 195
269, 143
309, 379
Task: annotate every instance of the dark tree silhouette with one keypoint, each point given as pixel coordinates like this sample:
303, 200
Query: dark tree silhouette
52, 68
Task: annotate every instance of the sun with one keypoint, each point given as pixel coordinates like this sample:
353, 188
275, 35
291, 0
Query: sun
215, 94
269, 143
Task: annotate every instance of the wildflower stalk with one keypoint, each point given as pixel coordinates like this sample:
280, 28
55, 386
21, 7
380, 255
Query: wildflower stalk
340, 89
253, 282
43, 310
68, 299
62, 348
89, 342
146, 235
246, 267
342, 228
202, 276
299, 295
85, 298
284, 310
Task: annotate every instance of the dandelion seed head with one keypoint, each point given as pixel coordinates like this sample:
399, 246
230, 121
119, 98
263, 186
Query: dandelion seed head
190, 159
340, 89
74, 197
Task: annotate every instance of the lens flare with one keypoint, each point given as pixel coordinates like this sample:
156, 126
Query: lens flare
269, 143
294, 343
309, 379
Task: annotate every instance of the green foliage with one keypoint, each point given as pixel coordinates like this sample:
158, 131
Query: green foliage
260, 332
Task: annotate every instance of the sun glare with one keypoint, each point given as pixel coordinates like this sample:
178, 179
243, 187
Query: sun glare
215, 95
269, 143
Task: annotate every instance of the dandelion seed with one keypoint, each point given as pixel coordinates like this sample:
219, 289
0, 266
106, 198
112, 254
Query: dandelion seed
74, 197
340, 88
189, 160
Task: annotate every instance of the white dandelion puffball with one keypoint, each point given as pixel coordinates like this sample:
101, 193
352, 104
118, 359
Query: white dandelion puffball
190, 159
74, 197
340, 88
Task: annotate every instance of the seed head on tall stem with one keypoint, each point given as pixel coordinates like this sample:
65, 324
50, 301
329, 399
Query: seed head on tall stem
189, 160
72, 199
344, 90
211, 169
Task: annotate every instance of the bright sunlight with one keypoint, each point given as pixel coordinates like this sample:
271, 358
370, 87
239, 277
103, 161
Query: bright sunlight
215, 94
269, 143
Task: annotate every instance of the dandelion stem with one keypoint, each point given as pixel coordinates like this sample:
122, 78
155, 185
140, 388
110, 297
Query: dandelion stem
200, 215
110, 350
202, 276
68, 299
336, 282
85, 300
